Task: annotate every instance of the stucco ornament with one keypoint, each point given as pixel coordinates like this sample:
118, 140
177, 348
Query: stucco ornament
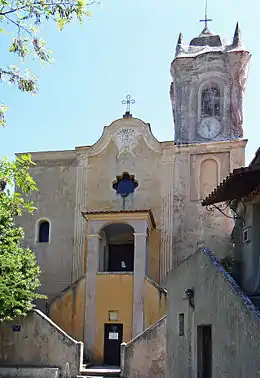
82, 160
126, 140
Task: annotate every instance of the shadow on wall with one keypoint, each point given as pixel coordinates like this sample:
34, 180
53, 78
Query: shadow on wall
36, 341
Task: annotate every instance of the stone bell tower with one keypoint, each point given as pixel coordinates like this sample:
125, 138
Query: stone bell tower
207, 90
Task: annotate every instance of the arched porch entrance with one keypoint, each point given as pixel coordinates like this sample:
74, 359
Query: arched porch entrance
117, 248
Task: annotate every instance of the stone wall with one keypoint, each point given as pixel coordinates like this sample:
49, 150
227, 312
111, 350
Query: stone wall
36, 341
219, 302
55, 176
144, 356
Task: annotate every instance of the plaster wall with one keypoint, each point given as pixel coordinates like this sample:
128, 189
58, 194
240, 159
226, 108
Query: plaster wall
113, 292
155, 301
39, 343
101, 195
247, 252
144, 356
153, 264
67, 309
194, 225
55, 176
220, 302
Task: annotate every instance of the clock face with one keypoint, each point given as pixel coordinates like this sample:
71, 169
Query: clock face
209, 128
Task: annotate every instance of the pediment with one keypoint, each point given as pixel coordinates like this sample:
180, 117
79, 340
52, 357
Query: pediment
126, 134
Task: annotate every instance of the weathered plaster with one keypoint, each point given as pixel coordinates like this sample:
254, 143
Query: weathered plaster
39, 343
144, 356
195, 67
220, 302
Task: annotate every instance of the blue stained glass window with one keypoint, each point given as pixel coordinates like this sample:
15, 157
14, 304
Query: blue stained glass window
125, 185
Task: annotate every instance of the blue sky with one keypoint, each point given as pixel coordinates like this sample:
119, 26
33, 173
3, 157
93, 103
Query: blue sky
125, 47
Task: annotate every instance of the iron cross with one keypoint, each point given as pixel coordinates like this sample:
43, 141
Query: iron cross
206, 20
128, 103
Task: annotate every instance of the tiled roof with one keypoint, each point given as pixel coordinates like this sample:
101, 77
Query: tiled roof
238, 184
148, 211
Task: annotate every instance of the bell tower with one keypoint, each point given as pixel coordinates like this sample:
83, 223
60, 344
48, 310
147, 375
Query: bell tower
207, 90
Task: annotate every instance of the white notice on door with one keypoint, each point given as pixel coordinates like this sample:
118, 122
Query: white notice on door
113, 336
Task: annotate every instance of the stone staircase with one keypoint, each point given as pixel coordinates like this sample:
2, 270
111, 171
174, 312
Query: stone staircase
99, 371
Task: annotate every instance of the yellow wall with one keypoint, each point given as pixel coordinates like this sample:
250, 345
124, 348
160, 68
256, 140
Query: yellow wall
113, 292
67, 310
154, 255
154, 304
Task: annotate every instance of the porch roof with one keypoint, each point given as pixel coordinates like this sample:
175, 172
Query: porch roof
238, 184
146, 212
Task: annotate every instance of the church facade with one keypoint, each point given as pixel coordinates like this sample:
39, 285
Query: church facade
115, 217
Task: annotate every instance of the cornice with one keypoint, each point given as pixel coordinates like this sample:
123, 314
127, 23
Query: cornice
210, 147
50, 155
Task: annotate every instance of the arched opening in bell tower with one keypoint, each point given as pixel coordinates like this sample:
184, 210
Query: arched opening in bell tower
117, 248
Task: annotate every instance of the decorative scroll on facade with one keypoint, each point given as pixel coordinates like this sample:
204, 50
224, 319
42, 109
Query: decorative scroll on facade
126, 140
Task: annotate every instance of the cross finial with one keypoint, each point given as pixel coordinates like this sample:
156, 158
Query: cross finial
128, 103
206, 20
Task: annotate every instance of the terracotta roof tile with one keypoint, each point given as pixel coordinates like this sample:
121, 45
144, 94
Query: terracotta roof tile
149, 211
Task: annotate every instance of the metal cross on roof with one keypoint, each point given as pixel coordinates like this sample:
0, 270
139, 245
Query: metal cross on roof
128, 103
206, 20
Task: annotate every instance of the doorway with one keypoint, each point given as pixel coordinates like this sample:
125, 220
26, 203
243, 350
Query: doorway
121, 258
113, 337
204, 350
117, 248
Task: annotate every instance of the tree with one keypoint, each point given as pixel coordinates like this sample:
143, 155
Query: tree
24, 18
19, 272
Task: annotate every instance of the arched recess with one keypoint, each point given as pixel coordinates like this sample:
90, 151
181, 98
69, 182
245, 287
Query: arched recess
211, 98
209, 176
116, 248
43, 231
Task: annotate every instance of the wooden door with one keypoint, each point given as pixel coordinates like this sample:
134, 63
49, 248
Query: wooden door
113, 336
204, 350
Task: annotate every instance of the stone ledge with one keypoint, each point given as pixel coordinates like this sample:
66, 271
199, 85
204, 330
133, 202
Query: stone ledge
28, 372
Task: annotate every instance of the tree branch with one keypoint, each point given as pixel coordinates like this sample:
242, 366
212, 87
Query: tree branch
40, 3
19, 26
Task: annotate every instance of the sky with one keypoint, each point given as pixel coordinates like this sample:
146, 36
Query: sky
126, 46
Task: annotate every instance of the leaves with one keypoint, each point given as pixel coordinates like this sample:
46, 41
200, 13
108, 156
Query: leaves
25, 18
19, 272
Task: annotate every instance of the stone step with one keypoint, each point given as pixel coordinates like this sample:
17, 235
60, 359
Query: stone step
28, 372
100, 372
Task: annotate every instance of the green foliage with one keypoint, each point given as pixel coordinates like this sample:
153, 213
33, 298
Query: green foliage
24, 18
19, 272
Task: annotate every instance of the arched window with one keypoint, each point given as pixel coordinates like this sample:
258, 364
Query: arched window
117, 248
210, 101
43, 231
